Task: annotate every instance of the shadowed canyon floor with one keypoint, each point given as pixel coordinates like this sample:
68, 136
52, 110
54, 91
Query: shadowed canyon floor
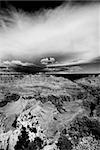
44, 112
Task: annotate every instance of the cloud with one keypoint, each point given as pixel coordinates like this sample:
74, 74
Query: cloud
16, 65
16, 62
60, 32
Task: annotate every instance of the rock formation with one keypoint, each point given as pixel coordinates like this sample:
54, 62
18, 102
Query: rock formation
40, 112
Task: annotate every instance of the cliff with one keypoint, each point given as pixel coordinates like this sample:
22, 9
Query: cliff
44, 112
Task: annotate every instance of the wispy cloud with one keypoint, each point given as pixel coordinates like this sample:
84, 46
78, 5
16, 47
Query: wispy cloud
64, 31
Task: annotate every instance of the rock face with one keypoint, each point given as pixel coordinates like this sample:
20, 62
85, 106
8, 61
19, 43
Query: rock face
40, 112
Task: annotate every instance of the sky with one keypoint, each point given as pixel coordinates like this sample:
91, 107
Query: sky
68, 32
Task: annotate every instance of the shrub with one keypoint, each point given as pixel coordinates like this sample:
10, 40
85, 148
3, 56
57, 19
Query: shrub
82, 127
36, 144
88, 143
11, 97
23, 141
64, 143
98, 111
